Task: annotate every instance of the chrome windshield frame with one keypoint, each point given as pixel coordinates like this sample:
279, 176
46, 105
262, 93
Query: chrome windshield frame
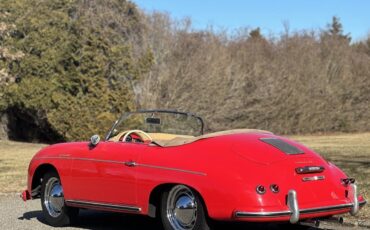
125, 115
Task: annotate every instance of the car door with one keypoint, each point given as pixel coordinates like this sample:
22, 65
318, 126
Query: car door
103, 174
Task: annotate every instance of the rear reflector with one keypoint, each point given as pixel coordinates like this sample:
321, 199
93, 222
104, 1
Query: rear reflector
310, 169
282, 145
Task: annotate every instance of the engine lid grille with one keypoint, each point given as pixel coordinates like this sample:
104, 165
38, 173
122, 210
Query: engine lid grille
282, 146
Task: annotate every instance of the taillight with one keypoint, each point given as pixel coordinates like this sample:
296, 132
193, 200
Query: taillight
347, 181
274, 188
261, 189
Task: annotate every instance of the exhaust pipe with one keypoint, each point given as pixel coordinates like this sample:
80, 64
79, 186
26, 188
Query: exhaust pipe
311, 223
335, 220
317, 222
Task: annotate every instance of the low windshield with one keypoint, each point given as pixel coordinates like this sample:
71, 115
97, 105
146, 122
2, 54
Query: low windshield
159, 121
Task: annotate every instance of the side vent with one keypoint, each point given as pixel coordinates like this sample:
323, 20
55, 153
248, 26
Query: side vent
282, 146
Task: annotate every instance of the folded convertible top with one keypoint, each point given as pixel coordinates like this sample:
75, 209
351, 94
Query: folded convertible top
187, 140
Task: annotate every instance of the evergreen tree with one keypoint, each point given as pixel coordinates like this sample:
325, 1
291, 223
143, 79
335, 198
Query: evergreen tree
78, 64
256, 34
335, 29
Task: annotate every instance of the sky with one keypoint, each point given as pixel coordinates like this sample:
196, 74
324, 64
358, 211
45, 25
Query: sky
269, 15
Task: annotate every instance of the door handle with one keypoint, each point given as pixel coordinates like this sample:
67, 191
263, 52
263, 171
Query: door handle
130, 163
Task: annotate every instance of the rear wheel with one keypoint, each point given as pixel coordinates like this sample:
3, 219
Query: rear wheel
55, 211
182, 209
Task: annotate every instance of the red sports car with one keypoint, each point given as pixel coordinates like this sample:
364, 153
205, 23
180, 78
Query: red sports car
159, 163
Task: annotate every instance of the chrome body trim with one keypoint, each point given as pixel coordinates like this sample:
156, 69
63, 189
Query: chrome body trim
130, 163
309, 169
97, 205
171, 169
241, 214
326, 208
313, 178
80, 159
127, 163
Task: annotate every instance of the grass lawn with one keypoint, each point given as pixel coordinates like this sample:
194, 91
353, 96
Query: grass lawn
14, 160
351, 152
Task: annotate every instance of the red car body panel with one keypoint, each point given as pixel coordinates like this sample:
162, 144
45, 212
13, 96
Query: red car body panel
224, 170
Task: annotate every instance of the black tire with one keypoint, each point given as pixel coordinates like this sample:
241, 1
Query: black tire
64, 215
199, 222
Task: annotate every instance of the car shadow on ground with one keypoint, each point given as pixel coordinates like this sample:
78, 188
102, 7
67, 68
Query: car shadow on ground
31, 215
97, 220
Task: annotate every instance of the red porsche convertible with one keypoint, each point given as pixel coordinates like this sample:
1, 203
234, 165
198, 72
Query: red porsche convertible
159, 163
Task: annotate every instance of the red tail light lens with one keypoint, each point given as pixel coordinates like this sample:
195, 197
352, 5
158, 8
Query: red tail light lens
261, 189
347, 181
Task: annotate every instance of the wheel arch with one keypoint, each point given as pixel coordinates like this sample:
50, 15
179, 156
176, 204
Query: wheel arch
37, 178
155, 197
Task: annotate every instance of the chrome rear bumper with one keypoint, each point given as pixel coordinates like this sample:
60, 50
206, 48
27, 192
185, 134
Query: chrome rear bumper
294, 212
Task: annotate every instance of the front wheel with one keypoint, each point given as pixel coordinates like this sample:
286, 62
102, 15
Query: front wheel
182, 209
55, 211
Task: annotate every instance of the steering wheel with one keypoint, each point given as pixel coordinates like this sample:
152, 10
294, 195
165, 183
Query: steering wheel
137, 132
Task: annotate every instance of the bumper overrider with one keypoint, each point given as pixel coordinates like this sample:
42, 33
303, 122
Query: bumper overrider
294, 213
25, 195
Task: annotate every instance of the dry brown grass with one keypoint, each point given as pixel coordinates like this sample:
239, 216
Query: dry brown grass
351, 152
14, 160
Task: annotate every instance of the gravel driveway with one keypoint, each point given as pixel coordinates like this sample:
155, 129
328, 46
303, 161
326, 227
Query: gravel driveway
16, 214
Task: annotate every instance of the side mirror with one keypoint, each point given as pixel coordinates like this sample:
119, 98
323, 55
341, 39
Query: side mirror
94, 140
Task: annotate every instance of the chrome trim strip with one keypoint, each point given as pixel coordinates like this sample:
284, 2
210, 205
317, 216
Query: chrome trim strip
288, 212
171, 169
313, 178
262, 214
327, 208
116, 207
81, 159
126, 163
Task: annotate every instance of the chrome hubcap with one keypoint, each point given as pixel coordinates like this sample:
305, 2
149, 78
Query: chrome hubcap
54, 197
181, 208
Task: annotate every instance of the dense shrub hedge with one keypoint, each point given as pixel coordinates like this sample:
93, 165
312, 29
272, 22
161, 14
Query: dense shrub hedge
68, 68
